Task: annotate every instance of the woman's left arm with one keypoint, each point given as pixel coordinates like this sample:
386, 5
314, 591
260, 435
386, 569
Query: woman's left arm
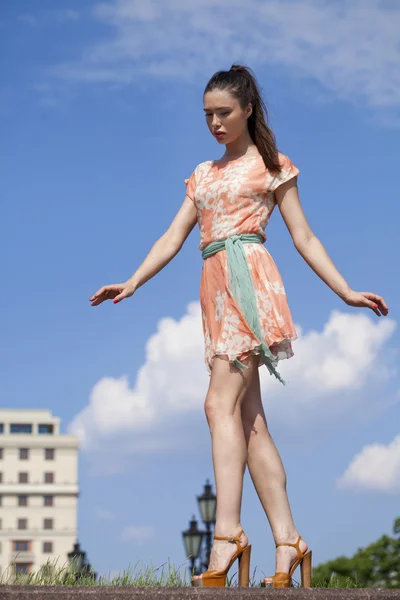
314, 253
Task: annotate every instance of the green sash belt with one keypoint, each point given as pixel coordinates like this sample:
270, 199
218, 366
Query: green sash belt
242, 288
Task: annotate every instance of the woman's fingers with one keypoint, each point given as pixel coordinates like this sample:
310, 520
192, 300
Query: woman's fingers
120, 296
107, 292
126, 292
369, 300
377, 301
372, 305
116, 292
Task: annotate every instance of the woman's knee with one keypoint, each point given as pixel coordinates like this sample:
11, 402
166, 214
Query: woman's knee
216, 406
211, 406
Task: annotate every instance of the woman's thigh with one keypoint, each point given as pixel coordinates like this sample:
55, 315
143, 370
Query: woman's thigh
228, 385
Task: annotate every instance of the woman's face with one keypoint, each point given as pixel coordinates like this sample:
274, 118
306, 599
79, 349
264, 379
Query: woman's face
225, 118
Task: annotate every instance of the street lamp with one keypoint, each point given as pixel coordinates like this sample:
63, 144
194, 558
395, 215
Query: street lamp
79, 563
192, 539
77, 557
208, 506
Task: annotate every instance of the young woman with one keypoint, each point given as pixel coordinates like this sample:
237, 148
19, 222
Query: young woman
246, 319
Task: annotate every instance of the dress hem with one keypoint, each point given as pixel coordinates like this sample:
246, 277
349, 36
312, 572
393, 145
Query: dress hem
252, 351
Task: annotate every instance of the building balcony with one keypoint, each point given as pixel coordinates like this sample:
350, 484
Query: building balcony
44, 489
34, 532
56, 440
22, 557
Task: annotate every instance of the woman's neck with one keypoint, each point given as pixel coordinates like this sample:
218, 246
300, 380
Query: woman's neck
239, 147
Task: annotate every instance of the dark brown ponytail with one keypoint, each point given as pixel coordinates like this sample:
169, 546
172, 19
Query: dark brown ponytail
241, 82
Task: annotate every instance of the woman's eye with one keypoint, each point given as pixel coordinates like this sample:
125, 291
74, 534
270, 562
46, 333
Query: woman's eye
223, 114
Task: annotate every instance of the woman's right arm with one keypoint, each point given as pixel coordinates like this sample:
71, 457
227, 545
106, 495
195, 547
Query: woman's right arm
162, 252
167, 246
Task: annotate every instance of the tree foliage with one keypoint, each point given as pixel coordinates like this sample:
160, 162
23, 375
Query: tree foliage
375, 566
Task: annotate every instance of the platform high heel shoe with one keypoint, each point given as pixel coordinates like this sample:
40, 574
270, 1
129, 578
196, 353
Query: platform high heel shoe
218, 578
284, 580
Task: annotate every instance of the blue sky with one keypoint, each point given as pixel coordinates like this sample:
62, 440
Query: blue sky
101, 114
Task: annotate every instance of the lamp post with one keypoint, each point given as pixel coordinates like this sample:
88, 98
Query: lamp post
77, 557
79, 563
208, 506
192, 539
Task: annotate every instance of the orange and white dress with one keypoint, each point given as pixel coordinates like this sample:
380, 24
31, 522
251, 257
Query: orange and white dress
234, 198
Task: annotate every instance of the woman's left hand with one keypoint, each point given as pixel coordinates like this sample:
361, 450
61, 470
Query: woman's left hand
368, 300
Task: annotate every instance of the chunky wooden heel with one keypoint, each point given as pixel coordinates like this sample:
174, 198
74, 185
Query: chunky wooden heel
216, 578
244, 567
284, 580
305, 569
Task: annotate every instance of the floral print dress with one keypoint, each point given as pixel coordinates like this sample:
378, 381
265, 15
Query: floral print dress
232, 198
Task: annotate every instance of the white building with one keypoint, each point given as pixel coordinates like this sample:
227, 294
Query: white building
38, 491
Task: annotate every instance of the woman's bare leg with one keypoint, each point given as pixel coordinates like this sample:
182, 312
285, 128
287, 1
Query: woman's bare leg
227, 389
268, 474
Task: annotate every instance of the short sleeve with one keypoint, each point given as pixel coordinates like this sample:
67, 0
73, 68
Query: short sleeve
288, 172
191, 185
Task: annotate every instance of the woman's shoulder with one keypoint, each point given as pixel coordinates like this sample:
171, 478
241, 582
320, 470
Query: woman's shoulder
283, 159
197, 173
288, 171
202, 168
204, 165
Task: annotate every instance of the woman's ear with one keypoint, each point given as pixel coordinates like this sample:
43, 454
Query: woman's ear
249, 110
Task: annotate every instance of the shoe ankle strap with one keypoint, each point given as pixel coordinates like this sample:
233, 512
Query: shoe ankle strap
235, 539
295, 545
229, 538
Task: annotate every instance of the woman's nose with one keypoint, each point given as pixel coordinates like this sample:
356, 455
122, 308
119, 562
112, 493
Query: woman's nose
215, 121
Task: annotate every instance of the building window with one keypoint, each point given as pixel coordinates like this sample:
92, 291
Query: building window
49, 477
1, 477
1, 452
47, 547
20, 546
49, 453
1, 427
22, 500
1, 500
20, 428
22, 523
24, 568
46, 429
47, 523
23, 453
23, 477
48, 501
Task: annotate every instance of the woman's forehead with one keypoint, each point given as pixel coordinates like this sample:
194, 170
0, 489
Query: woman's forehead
219, 98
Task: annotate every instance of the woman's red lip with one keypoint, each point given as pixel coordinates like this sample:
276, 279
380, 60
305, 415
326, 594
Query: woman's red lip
219, 133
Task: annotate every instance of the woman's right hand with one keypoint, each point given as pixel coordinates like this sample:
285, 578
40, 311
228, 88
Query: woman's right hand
115, 291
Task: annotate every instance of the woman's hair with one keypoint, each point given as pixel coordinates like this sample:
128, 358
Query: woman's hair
241, 83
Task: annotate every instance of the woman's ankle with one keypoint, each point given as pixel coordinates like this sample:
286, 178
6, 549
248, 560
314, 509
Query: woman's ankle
227, 529
286, 536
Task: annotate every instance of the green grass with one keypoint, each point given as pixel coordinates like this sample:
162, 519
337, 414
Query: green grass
166, 575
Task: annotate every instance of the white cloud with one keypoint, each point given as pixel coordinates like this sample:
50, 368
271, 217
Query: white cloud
328, 375
137, 533
350, 48
171, 381
61, 15
104, 515
341, 357
375, 467
65, 14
